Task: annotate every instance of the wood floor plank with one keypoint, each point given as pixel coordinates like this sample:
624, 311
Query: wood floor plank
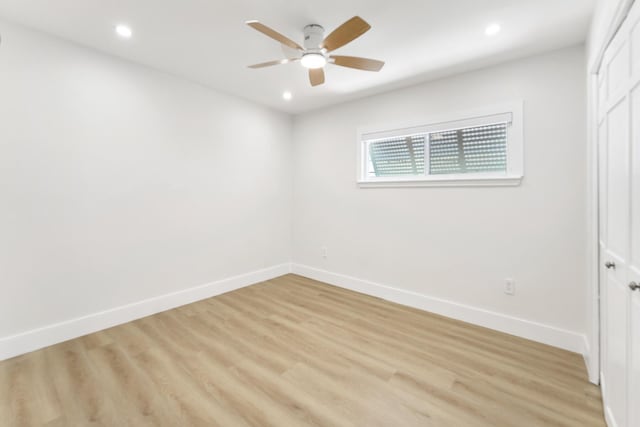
79, 387
293, 351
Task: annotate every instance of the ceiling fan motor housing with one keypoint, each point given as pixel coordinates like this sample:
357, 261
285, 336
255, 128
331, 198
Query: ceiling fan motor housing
313, 37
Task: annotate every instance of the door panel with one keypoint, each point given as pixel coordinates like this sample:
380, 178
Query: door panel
616, 368
618, 70
602, 96
602, 184
634, 257
618, 181
635, 49
617, 248
634, 365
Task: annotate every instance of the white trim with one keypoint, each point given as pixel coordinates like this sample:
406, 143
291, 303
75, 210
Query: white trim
593, 370
618, 18
546, 334
609, 418
511, 113
35, 339
593, 238
445, 181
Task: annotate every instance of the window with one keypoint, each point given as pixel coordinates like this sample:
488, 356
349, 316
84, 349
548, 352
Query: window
480, 149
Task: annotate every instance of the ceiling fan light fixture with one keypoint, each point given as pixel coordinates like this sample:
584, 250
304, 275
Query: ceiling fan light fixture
313, 60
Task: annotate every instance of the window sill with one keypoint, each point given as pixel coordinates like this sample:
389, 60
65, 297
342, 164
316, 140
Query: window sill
508, 181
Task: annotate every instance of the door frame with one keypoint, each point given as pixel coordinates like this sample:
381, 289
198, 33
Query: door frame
592, 349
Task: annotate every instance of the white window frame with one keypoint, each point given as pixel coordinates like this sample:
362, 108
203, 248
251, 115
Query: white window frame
511, 112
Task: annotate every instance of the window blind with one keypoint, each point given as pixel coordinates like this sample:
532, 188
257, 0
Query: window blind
399, 156
469, 150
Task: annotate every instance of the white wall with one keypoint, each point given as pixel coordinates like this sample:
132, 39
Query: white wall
119, 183
458, 244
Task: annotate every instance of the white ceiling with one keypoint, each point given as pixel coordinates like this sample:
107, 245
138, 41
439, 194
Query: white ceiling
206, 40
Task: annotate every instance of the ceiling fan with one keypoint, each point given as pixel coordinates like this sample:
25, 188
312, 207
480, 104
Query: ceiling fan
315, 53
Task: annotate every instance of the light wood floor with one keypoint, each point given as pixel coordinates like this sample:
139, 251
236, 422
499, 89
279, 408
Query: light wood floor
296, 352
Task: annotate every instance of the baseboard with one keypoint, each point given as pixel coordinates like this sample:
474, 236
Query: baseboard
52, 334
35, 339
609, 420
534, 331
593, 370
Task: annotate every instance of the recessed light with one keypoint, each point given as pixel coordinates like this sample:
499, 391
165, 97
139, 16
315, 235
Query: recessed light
287, 95
124, 31
492, 29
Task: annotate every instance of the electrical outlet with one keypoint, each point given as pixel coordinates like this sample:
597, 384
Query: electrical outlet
510, 287
323, 250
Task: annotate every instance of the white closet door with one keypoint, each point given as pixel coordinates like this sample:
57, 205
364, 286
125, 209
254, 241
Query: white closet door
634, 257
619, 175
634, 263
615, 257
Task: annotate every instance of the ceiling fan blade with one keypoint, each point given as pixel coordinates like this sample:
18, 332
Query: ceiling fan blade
358, 63
273, 34
345, 33
276, 62
316, 76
